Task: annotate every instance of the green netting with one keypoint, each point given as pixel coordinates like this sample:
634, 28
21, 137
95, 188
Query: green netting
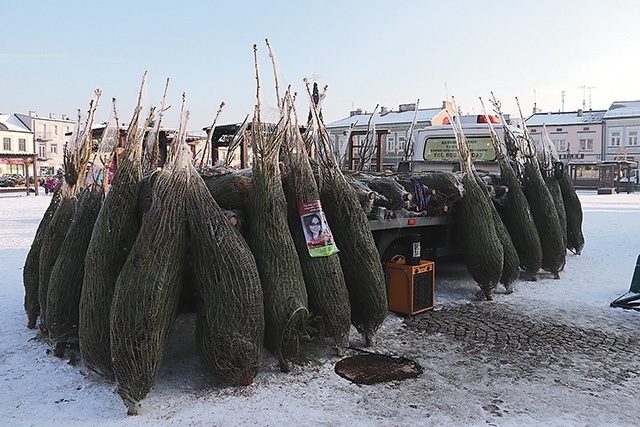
323, 277
483, 249
284, 292
115, 231
573, 209
359, 258
65, 283
147, 291
51, 243
30, 272
230, 315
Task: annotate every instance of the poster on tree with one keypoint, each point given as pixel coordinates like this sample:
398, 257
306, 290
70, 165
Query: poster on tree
316, 229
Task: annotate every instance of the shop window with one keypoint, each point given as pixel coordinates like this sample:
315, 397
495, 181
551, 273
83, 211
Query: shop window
587, 172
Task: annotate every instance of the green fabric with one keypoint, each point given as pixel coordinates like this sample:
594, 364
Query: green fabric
323, 251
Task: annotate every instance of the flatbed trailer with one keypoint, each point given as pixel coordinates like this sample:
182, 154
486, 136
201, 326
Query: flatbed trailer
437, 236
434, 149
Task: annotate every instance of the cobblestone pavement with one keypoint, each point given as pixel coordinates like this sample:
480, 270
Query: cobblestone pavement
509, 337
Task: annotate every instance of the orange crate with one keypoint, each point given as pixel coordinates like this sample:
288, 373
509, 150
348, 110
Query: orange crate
410, 288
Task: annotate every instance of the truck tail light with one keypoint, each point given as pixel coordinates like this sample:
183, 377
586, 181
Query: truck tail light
483, 119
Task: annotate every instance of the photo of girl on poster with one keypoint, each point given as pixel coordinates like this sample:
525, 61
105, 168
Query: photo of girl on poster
313, 225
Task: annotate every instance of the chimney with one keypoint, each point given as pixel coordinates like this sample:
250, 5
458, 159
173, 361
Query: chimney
579, 112
52, 115
32, 114
384, 110
356, 112
64, 117
406, 107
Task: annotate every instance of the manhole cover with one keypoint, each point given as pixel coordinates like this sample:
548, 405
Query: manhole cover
376, 368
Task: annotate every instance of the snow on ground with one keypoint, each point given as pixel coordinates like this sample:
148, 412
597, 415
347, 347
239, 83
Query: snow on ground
460, 385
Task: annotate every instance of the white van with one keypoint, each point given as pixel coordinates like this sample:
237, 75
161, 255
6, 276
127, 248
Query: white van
435, 146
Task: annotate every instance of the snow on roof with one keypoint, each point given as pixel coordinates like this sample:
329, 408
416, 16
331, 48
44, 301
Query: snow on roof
623, 109
25, 119
392, 117
566, 118
12, 123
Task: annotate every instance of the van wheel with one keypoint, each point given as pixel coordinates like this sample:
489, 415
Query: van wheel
394, 253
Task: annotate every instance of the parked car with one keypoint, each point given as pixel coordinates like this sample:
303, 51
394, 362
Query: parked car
13, 179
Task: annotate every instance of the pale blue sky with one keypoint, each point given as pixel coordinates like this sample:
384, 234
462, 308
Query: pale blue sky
55, 54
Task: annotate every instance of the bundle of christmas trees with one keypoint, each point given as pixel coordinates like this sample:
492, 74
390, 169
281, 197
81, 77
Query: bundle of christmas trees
528, 228
109, 271
280, 255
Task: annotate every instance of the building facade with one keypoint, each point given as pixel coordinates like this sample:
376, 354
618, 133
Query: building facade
622, 131
578, 139
17, 150
50, 136
390, 130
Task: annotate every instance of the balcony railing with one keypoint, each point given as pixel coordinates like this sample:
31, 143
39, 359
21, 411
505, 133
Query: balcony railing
43, 136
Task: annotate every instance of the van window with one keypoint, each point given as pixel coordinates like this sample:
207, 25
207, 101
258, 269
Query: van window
445, 148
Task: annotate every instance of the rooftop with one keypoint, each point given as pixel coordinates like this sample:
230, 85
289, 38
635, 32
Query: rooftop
623, 109
386, 118
12, 123
566, 118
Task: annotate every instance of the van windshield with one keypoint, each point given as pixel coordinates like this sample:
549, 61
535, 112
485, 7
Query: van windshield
443, 148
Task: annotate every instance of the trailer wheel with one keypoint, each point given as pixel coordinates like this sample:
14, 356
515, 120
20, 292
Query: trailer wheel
396, 252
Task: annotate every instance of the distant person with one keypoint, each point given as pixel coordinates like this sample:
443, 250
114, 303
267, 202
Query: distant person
48, 185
